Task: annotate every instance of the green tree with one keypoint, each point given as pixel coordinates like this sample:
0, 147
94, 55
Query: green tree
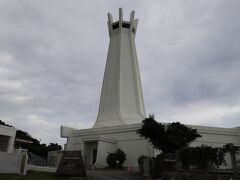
23, 135
35, 147
202, 157
4, 124
54, 147
167, 138
118, 157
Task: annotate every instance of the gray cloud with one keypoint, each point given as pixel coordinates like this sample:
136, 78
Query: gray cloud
52, 58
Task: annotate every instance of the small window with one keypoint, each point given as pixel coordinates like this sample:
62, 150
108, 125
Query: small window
125, 25
115, 25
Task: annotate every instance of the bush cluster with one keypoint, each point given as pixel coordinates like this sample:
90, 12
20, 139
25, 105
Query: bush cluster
202, 157
175, 139
112, 159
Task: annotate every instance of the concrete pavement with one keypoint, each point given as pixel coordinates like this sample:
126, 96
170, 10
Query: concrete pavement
114, 175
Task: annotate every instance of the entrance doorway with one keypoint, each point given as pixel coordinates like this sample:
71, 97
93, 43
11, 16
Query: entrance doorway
90, 153
94, 155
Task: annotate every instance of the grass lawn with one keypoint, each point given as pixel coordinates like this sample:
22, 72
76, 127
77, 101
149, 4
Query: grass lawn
31, 175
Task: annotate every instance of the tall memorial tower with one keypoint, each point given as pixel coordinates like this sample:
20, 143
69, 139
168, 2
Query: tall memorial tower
121, 99
121, 108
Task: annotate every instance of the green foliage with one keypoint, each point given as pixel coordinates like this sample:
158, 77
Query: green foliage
36, 147
167, 138
54, 147
24, 135
202, 157
112, 159
41, 149
231, 148
4, 124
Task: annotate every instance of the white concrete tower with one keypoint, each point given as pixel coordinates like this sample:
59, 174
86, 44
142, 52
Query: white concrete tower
121, 97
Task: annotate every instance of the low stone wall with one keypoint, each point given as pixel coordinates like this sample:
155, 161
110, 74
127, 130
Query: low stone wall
13, 163
54, 158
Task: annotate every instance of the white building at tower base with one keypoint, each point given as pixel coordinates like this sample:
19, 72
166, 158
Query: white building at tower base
121, 108
108, 139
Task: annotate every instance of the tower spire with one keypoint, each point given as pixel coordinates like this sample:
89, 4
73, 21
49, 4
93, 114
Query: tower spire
121, 99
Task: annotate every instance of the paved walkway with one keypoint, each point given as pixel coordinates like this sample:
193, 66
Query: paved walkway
114, 175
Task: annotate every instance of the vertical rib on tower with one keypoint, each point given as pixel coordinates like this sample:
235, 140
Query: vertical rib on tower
121, 97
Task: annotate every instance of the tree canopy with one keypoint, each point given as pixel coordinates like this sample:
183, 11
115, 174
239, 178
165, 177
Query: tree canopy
4, 124
202, 157
167, 138
36, 147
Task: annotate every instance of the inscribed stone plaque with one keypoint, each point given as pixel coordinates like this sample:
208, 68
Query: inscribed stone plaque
71, 164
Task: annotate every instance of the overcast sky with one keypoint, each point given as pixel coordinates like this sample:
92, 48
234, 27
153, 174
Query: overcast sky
53, 53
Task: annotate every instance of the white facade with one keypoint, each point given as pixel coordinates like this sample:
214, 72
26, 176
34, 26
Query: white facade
13, 163
7, 137
121, 108
121, 99
109, 139
10, 162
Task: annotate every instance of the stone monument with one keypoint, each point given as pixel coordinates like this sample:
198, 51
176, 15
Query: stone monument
71, 164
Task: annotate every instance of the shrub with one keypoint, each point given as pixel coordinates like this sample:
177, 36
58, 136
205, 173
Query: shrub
202, 157
112, 159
